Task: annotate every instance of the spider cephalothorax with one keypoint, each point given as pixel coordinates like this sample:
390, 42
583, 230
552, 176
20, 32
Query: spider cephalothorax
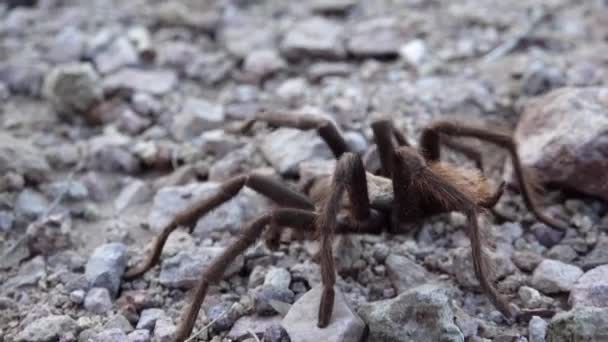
410, 186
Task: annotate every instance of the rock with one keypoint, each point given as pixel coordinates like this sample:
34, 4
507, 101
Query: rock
165, 330
598, 255
301, 321
276, 333
583, 324
155, 82
260, 64
148, 318
526, 260
320, 70
145, 104
278, 277
30, 204
564, 253
24, 76
77, 296
227, 217
331, 6
530, 297
546, 236
540, 79
464, 271
237, 162
98, 300
7, 219
314, 37
49, 328
405, 273
117, 55
136, 192
106, 266
110, 335
559, 135
30, 273
286, 148
293, 91
210, 68
4, 92
23, 158
197, 116
218, 143
240, 40
591, 289
73, 88
68, 46
139, 336
552, 276
264, 295
255, 324
50, 234
422, 314
378, 37
179, 14
537, 329
414, 53
224, 315
184, 270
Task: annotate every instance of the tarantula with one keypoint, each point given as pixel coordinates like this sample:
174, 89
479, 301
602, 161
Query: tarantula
411, 185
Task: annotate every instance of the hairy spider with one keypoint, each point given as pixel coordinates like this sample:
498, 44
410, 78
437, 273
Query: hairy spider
411, 185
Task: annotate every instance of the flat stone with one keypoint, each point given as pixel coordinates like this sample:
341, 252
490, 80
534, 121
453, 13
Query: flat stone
314, 37
552, 276
378, 37
49, 328
405, 273
591, 289
155, 82
301, 321
423, 314
106, 266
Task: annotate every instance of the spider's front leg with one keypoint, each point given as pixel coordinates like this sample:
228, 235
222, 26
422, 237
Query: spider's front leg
429, 144
349, 176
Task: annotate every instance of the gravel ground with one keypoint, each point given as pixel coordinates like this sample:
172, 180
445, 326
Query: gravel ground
116, 115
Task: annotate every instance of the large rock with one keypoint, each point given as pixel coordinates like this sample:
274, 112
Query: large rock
591, 289
184, 269
301, 320
21, 157
562, 136
230, 216
286, 148
49, 328
73, 88
583, 324
377, 37
314, 37
422, 314
106, 266
553, 276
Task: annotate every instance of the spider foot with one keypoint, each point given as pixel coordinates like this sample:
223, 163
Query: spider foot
326, 307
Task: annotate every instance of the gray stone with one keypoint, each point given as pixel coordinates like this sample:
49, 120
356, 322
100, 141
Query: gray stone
260, 64
540, 79
422, 314
546, 236
49, 328
553, 276
278, 277
591, 289
117, 55
145, 104
73, 88
264, 295
559, 135
530, 297
21, 157
50, 234
184, 270
106, 266
23, 76
240, 40
405, 273
331, 6
155, 82
164, 330
228, 217
376, 37
111, 335
258, 325
135, 192
77, 296
463, 268
139, 335
314, 37
301, 321
148, 318
537, 329
98, 300
195, 117
234, 163
30, 273
286, 148
224, 315
68, 46
526, 260
583, 324
564, 253
30, 204
119, 322
4, 91
179, 14
276, 333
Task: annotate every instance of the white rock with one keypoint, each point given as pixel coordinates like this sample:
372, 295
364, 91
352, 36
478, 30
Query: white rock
98, 300
553, 276
591, 289
197, 115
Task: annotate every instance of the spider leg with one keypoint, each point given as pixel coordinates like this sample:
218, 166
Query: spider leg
327, 129
464, 149
414, 184
349, 176
384, 133
286, 217
430, 150
266, 186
